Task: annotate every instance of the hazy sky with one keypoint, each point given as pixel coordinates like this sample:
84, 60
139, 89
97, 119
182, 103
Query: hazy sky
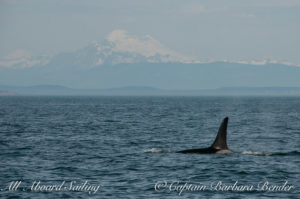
211, 29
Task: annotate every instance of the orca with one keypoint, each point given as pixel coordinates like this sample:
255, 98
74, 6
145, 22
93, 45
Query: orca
219, 145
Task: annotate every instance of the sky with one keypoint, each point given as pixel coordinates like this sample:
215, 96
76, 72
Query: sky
207, 30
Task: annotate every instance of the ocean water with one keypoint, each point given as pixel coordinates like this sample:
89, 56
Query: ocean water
124, 147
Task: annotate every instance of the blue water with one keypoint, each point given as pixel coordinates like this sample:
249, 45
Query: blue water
127, 146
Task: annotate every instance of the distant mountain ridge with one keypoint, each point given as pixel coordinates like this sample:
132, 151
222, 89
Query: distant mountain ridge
170, 76
148, 91
122, 60
118, 48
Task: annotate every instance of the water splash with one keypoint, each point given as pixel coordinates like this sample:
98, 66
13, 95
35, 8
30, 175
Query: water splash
157, 150
261, 153
256, 153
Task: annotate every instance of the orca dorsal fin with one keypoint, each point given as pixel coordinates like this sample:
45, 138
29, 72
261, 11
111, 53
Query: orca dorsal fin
220, 141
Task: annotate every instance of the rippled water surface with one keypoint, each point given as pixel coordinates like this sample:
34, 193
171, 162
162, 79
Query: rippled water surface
127, 146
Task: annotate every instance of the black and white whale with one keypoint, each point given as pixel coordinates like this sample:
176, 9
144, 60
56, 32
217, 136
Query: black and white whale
219, 145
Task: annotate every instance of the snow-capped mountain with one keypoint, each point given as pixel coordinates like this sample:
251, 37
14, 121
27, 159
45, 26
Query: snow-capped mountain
125, 60
119, 47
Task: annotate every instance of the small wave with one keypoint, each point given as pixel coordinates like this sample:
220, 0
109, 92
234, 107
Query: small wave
266, 138
157, 150
271, 154
111, 121
256, 153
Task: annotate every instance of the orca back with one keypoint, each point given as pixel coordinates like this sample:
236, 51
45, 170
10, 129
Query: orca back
219, 145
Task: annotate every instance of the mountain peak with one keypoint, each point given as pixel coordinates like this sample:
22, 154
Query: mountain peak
121, 47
